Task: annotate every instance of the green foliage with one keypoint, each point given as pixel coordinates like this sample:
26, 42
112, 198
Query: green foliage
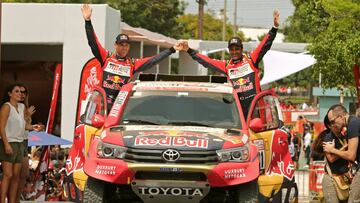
332, 27
338, 47
212, 27
309, 19
154, 15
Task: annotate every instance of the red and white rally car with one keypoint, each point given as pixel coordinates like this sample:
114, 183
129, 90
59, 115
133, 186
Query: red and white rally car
177, 141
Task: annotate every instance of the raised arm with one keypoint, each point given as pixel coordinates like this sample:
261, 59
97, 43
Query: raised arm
148, 62
207, 62
265, 44
97, 49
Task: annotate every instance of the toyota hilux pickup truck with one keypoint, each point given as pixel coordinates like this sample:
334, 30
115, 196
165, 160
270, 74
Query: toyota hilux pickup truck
181, 141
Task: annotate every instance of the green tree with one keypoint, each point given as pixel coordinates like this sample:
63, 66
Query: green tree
154, 15
309, 19
212, 27
337, 48
332, 28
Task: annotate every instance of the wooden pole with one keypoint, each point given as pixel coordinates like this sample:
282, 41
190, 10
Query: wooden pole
200, 18
224, 29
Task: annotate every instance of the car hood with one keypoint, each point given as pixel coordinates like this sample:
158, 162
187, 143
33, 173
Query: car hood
175, 137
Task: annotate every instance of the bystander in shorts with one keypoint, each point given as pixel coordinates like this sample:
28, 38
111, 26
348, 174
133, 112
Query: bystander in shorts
18, 152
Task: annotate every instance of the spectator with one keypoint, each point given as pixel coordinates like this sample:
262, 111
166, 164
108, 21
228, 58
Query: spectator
336, 165
340, 119
307, 147
12, 130
290, 106
304, 106
296, 141
29, 111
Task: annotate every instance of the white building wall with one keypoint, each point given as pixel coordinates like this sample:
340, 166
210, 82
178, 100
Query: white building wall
29, 23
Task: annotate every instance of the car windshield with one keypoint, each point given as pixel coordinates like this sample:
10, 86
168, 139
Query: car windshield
153, 107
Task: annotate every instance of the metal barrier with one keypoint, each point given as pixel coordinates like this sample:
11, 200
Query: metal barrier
309, 182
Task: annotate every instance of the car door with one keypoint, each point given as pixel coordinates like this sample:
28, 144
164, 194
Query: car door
263, 120
277, 168
90, 124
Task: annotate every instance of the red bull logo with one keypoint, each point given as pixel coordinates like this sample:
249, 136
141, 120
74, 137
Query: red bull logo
172, 141
243, 81
281, 162
115, 79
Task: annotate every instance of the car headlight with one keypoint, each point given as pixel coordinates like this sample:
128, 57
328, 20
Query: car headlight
239, 154
105, 150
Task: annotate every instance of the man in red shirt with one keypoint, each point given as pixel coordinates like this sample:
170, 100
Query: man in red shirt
118, 68
242, 70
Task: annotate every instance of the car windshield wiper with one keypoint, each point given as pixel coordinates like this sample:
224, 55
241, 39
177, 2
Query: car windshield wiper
139, 121
187, 123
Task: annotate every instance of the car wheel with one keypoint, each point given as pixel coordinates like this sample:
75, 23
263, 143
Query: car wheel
94, 190
246, 193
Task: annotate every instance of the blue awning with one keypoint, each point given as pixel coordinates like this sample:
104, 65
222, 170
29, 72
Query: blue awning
43, 139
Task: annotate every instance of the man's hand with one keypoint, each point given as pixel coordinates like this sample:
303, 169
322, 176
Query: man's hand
178, 46
185, 45
86, 11
276, 16
329, 146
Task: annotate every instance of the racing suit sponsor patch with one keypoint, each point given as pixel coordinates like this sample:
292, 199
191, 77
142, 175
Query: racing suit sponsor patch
118, 69
239, 72
245, 88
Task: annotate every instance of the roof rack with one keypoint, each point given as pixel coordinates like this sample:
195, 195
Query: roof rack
181, 78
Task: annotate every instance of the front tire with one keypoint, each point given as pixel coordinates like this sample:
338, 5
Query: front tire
246, 193
94, 190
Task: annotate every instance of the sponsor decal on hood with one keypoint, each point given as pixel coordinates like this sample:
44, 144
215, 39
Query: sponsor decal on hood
181, 138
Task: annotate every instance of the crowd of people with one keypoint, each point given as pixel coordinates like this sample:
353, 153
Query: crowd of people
290, 106
46, 184
301, 140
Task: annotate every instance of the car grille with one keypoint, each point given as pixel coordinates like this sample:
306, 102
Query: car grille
155, 156
191, 176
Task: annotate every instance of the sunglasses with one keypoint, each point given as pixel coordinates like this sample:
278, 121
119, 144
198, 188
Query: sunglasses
332, 121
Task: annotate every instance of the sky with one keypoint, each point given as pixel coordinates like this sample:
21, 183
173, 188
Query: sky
250, 13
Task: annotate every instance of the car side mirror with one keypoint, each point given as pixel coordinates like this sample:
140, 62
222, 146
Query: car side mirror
256, 125
98, 121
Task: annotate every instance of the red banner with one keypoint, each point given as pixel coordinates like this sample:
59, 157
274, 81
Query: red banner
44, 158
91, 76
54, 98
357, 82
